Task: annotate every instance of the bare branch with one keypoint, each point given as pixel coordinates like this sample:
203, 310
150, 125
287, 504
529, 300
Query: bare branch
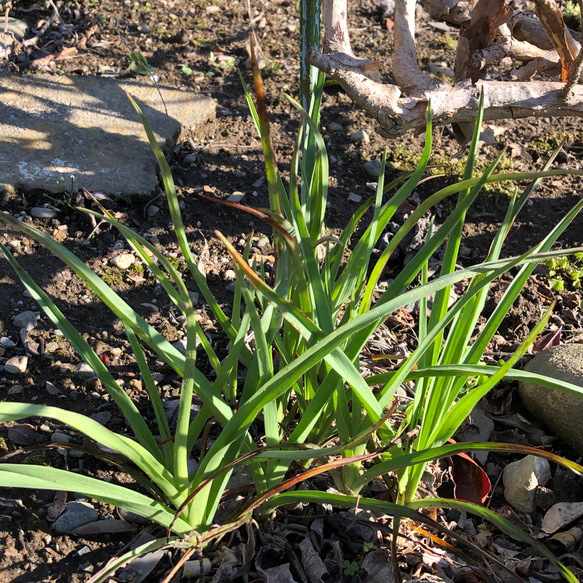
451, 104
508, 46
405, 68
337, 39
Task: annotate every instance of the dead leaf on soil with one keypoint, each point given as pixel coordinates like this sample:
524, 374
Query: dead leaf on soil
312, 563
548, 340
561, 515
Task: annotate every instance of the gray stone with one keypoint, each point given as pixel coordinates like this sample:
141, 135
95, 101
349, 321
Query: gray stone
84, 369
335, 127
373, 168
16, 364
522, 478
560, 412
6, 342
152, 210
16, 29
76, 514
360, 136
236, 197
40, 212
52, 127
26, 320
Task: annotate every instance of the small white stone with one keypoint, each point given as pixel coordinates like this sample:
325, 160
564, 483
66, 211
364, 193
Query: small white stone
521, 480
16, 364
123, 261
26, 320
51, 346
229, 275
39, 212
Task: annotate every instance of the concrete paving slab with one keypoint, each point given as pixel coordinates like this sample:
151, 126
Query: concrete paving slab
55, 127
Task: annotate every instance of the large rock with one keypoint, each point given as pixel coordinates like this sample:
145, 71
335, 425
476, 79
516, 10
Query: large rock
55, 127
561, 412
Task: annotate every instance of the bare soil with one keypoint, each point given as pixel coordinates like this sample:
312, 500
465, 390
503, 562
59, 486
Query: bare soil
198, 46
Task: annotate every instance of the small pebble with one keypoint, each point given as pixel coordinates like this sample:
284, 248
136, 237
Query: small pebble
352, 197
335, 127
84, 369
51, 389
213, 9
58, 437
144, 28
123, 261
229, 275
373, 168
191, 158
194, 297
16, 364
15, 389
76, 514
152, 210
51, 346
6, 342
360, 136
263, 243
26, 320
236, 197
39, 212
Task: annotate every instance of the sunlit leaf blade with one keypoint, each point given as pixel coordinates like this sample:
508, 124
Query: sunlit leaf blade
46, 478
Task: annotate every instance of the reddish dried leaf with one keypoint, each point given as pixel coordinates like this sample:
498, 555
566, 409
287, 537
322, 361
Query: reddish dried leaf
471, 482
22, 434
548, 340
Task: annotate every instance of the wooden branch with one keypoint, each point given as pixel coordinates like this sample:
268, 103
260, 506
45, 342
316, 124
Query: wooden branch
337, 39
537, 66
551, 17
452, 11
451, 104
508, 46
408, 75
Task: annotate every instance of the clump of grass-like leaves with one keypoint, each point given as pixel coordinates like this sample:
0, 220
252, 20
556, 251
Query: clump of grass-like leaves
302, 375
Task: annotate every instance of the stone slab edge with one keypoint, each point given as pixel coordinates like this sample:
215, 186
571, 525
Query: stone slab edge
52, 128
